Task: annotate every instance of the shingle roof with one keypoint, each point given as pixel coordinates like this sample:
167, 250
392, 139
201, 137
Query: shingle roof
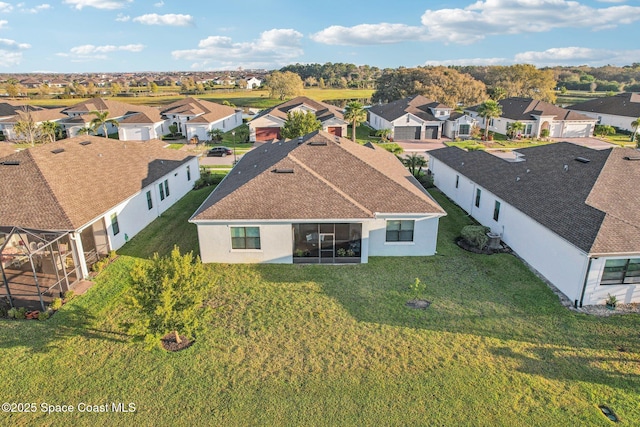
592, 205
332, 178
65, 191
623, 104
525, 108
323, 111
417, 105
8, 108
207, 112
6, 148
116, 109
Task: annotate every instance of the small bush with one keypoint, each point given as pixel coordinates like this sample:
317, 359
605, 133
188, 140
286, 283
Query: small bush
417, 287
112, 255
44, 315
476, 235
21, 313
11, 313
56, 304
69, 295
426, 180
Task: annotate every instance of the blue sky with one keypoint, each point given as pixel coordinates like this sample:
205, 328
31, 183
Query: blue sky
172, 35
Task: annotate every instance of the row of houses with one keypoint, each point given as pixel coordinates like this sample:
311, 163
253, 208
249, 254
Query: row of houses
192, 117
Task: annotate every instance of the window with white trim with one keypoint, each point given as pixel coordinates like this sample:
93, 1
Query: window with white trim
245, 237
400, 230
621, 272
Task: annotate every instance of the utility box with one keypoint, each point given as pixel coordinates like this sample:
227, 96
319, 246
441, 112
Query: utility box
494, 240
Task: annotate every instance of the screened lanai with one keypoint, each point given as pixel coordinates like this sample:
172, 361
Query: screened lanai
37, 266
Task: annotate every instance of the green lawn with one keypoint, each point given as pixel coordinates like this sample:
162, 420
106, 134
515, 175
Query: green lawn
333, 345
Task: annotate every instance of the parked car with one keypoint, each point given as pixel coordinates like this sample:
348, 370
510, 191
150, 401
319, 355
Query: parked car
219, 152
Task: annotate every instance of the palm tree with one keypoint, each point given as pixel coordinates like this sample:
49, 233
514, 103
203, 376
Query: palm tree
489, 109
355, 113
415, 162
635, 125
101, 121
513, 128
49, 130
84, 131
384, 134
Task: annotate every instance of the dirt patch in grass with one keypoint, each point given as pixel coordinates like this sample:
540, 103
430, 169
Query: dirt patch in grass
486, 250
419, 304
169, 342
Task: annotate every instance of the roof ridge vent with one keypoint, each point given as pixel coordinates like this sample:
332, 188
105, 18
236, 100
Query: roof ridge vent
85, 143
58, 151
632, 158
10, 163
317, 143
282, 170
582, 159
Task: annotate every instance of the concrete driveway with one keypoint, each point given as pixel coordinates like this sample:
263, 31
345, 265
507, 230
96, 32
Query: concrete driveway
416, 146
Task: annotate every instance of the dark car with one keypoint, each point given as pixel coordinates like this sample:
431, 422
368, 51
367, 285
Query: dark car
219, 152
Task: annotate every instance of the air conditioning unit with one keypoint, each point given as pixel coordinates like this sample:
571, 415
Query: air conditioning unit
494, 240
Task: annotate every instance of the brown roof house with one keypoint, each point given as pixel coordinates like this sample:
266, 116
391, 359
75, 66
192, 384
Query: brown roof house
65, 204
317, 199
267, 124
538, 116
617, 110
11, 113
136, 122
412, 118
196, 117
569, 211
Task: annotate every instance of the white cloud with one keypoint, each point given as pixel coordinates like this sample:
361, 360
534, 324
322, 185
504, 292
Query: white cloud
10, 59
159, 4
5, 7
7, 44
484, 18
3, 22
470, 61
578, 56
172, 19
36, 9
90, 49
493, 17
98, 4
368, 34
123, 18
273, 48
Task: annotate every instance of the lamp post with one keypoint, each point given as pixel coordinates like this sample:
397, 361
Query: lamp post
233, 133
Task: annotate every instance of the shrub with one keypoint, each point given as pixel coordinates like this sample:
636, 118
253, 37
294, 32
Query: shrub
69, 295
426, 180
112, 255
417, 287
475, 235
44, 315
544, 133
21, 313
56, 304
11, 313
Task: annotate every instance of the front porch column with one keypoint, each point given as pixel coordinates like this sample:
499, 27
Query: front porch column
77, 242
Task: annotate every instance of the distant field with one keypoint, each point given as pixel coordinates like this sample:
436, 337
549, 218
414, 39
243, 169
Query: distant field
240, 98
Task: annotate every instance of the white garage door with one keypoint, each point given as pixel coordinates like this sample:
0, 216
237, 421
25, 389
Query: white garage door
576, 131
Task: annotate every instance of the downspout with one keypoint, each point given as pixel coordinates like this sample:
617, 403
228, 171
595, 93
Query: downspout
584, 285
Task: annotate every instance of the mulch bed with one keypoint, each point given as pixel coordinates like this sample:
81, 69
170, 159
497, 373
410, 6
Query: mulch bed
420, 304
169, 342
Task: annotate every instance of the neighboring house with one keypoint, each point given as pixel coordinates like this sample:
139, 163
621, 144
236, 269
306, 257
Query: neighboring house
459, 125
65, 204
196, 117
138, 122
253, 82
536, 116
317, 199
266, 126
618, 110
12, 113
569, 211
409, 118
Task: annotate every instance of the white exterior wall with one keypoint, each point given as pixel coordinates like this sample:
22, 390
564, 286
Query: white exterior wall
451, 128
134, 214
425, 236
622, 122
276, 242
556, 259
335, 122
201, 129
141, 132
378, 122
595, 293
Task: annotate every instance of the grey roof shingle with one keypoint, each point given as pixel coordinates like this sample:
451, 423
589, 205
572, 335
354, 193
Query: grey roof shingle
623, 104
516, 108
332, 178
417, 105
588, 204
64, 191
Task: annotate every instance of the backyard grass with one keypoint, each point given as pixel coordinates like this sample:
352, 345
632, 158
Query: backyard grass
333, 345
